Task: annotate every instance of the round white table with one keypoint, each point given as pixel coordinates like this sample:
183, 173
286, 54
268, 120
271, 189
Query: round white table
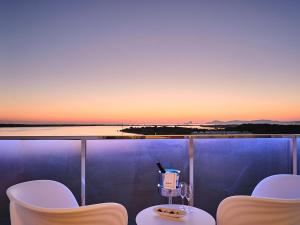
196, 217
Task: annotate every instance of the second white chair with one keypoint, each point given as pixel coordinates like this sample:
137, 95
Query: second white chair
274, 201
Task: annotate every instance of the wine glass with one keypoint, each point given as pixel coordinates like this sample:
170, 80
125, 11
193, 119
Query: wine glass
183, 189
189, 195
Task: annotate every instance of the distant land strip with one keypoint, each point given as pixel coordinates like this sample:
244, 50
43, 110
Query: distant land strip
216, 129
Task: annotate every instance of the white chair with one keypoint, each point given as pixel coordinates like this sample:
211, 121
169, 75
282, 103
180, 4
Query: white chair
250, 210
283, 186
45, 202
274, 201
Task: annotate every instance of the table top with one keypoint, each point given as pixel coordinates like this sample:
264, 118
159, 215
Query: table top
196, 217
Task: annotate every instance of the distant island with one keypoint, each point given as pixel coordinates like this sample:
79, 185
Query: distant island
216, 129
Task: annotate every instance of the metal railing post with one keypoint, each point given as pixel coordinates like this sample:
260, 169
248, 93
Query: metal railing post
294, 154
83, 161
191, 168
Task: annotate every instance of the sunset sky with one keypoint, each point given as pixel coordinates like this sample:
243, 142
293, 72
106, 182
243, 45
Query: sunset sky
109, 61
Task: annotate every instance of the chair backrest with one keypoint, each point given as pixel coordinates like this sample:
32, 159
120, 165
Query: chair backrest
249, 210
282, 186
43, 193
47, 202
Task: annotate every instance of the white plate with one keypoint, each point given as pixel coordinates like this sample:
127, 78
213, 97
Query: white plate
170, 212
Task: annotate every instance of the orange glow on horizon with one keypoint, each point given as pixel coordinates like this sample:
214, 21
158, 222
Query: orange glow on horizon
143, 120
157, 107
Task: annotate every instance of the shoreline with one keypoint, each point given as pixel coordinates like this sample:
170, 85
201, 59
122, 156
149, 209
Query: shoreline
216, 129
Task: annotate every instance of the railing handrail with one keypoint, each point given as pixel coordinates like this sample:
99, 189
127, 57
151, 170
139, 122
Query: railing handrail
100, 137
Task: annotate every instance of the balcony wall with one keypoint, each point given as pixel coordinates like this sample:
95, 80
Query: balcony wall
24, 160
226, 167
124, 171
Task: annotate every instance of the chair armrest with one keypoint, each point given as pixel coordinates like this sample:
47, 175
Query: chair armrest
245, 210
97, 214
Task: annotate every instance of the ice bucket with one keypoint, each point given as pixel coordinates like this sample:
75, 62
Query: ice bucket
168, 192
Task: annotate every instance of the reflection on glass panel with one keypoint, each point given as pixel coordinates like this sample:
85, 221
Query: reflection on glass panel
24, 160
125, 171
298, 155
225, 167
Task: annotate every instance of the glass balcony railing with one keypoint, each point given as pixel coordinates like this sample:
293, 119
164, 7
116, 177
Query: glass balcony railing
122, 169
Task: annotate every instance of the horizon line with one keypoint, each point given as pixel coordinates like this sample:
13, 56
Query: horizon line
189, 123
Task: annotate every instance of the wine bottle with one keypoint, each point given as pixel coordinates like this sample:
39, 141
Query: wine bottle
161, 169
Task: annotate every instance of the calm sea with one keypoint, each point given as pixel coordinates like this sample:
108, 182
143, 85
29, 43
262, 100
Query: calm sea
66, 131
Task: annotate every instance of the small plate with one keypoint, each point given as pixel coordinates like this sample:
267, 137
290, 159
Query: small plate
169, 212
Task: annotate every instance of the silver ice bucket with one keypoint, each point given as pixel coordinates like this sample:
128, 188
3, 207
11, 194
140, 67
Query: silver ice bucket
169, 192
